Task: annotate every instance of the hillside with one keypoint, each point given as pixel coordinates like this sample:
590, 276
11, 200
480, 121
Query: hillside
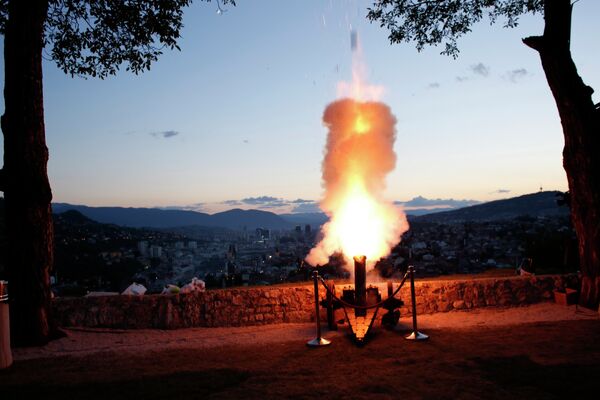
72, 217
158, 218
315, 218
535, 205
250, 219
541, 204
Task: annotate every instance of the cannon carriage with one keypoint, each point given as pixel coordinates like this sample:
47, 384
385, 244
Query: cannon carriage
361, 304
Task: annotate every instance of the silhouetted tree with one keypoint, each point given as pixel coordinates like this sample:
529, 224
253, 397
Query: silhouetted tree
433, 22
84, 38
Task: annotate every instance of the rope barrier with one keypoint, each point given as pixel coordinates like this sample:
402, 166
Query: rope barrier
359, 307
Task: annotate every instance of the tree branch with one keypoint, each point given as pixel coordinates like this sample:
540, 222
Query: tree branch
2, 180
535, 42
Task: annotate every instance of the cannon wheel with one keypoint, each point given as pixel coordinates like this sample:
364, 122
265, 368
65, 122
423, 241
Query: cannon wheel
331, 322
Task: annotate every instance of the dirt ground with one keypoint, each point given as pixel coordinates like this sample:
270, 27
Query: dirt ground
538, 352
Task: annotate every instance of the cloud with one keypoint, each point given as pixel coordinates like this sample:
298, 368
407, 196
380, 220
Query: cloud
462, 79
165, 134
311, 206
480, 69
232, 202
301, 201
199, 207
422, 202
271, 202
517, 74
265, 202
275, 204
260, 200
501, 191
434, 85
307, 207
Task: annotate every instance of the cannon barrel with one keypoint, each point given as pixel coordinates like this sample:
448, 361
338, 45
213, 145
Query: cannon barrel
360, 283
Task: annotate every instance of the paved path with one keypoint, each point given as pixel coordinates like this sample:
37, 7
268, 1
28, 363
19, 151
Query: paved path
82, 342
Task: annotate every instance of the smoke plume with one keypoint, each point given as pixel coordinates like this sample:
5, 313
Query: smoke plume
358, 156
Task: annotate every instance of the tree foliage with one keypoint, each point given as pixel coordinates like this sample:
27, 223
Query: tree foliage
98, 37
435, 22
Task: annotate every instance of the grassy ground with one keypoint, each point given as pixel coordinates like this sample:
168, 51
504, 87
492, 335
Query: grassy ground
535, 361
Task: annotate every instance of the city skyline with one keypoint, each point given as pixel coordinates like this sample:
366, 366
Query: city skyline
237, 113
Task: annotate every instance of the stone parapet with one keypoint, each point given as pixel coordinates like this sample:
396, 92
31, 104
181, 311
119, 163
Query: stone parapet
280, 304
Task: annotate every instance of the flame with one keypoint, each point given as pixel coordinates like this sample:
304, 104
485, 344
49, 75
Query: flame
358, 156
361, 125
359, 223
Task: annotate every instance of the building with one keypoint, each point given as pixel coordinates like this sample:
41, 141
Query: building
262, 233
231, 253
155, 251
143, 248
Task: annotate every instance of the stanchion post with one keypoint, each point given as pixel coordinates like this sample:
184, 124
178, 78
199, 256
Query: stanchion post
415, 335
318, 341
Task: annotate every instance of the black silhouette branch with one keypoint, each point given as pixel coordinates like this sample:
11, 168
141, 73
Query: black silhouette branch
535, 42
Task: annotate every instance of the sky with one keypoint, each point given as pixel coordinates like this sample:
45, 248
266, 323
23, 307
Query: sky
234, 119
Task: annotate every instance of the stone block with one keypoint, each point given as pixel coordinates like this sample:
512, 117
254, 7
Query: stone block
459, 304
444, 306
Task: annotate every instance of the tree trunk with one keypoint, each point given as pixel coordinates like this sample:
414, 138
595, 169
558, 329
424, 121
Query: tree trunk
580, 120
24, 177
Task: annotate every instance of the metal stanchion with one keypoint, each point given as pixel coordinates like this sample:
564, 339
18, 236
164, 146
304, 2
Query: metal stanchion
415, 335
318, 341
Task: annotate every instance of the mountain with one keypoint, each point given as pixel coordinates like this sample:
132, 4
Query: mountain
136, 217
73, 217
541, 204
250, 219
318, 218
158, 218
536, 204
426, 211
315, 218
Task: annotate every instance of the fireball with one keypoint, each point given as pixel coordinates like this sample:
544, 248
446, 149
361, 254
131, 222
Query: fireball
359, 155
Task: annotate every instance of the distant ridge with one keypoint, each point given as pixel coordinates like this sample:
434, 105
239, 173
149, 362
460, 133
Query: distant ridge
535, 204
158, 218
73, 217
251, 219
541, 204
314, 218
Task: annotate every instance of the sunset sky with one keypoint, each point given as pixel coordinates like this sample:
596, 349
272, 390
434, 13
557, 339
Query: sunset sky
237, 113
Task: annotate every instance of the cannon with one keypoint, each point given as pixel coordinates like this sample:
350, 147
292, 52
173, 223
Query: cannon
361, 303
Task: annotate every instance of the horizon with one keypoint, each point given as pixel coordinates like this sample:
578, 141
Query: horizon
194, 130
417, 204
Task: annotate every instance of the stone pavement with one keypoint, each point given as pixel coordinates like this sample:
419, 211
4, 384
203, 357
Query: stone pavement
83, 342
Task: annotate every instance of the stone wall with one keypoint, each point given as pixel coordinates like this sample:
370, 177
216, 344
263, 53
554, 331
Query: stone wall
266, 305
227, 307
